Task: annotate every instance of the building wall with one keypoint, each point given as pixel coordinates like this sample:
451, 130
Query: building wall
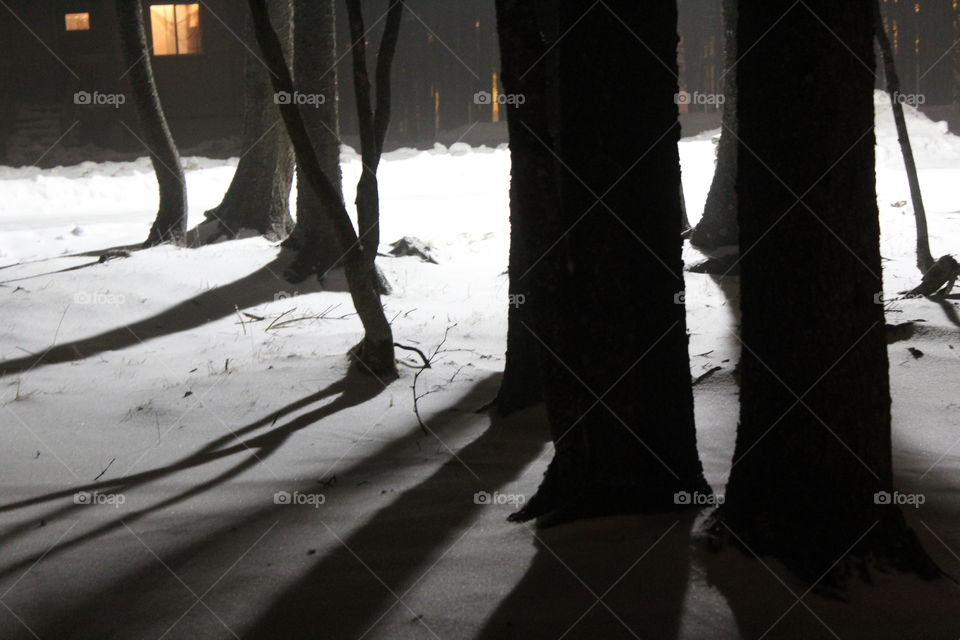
45, 65
448, 53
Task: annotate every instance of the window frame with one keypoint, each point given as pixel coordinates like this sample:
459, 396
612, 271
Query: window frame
177, 42
73, 14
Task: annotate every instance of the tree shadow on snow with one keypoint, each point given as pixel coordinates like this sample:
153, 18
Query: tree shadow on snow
261, 286
93, 253
767, 601
351, 589
339, 597
608, 578
949, 309
352, 390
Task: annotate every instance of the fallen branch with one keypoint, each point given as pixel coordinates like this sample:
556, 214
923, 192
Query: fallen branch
100, 475
427, 364
426, 360
277, 319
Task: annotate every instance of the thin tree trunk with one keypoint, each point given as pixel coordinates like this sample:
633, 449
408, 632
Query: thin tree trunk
170, 224
315, 71
718, 226
375, 352
373, 119
622, 416
533, 197
258, 198
813, 447
924, 256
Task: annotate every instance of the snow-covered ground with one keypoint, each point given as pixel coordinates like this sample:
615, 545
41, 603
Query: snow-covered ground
179, 468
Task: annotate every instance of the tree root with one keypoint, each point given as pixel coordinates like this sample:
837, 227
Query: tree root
375, 358
553, 505
890, 546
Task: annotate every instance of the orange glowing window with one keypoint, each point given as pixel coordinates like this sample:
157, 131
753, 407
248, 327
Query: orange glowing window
77, 21
175, 28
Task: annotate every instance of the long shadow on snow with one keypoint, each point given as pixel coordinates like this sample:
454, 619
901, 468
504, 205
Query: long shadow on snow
445, 500
258, 287
608, 578
93, 253
353, 390
948, 309
351, 589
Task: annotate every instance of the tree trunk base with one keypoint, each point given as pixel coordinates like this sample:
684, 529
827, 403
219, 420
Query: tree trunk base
207, 232
705, 236
375, 358
728, 265
891, 546
302, 268
509, 402
553, 506
939, 279
160, 234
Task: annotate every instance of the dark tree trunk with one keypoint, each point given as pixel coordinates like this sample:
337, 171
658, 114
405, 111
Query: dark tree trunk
924, 256
315, 70
621, 416
258, 198
813, 446
533, 197
718, 226
170, 224
373, 116
375, 352
374, 119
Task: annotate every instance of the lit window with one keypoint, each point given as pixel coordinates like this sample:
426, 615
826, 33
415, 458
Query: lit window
77, 21
175, 28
